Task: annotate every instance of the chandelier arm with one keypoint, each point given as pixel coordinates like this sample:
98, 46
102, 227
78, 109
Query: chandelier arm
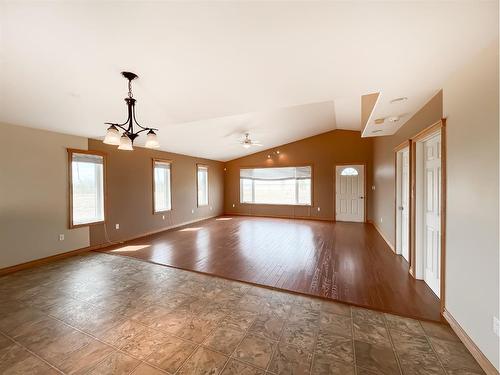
139, 125
145, 129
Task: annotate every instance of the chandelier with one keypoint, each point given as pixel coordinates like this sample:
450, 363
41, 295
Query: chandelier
126, 140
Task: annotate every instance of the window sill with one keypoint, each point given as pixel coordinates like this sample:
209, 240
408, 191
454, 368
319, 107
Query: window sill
275, 204
74, 226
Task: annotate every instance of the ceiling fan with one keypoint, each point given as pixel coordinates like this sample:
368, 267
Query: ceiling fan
247, 142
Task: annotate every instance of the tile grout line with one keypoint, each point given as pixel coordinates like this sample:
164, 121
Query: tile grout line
315, 344
392, 344
352, 343
433, 350
31, 352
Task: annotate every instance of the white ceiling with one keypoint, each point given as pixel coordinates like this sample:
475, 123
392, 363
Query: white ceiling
209, 71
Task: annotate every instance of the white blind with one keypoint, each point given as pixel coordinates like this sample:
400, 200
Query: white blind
87, 158
282, 173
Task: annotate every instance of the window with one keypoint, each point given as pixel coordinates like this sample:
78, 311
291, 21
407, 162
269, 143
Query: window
349, 172
86, 174
162, 185
286, 185
202, 183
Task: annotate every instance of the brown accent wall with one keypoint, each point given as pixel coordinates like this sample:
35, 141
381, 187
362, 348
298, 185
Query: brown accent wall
34, 195
322, 151
382, 205
129, 200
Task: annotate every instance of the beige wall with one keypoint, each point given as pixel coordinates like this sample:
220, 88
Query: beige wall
470, 102
129, 200
322, 151
383, 202
33, 195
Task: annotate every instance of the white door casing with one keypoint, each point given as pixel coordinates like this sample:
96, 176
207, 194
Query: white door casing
350, 193
403, 203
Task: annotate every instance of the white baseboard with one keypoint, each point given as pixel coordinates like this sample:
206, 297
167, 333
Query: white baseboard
382, 235
478, 355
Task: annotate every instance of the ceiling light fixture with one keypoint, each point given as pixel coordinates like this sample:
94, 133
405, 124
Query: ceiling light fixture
247, 142
394, 119
401, 99
126, 141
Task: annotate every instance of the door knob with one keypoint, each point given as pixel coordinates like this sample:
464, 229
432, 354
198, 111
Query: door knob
401, 208
361, 197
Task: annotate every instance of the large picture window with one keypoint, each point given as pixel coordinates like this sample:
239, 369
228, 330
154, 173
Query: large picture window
202, 184
285, 185
162, 183
86, 172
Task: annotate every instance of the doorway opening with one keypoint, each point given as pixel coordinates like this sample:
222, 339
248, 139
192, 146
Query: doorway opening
403, 201
350, 193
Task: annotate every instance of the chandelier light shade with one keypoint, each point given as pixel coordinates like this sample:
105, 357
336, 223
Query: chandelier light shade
126, 140
112, 136
152, 140
125, 143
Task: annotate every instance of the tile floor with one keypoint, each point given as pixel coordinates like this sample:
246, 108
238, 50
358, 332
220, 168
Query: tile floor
106, 314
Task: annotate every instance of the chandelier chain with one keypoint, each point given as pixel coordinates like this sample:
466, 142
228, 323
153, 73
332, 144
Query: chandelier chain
130, 89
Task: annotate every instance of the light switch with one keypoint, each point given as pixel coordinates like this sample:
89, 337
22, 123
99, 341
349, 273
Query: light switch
117, 226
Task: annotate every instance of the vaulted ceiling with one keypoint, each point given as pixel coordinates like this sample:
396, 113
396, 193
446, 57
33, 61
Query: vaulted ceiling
210, 71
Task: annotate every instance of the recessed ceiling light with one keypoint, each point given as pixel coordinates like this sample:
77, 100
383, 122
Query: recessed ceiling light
379, 121
401, 99
394, 119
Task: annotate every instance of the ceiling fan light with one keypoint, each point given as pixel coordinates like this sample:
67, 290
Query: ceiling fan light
125, 143
246, 145
152, 140
112, 136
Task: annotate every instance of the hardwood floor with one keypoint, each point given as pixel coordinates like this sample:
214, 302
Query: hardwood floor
348, 262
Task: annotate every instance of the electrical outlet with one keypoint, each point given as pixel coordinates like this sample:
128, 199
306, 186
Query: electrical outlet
192, 211
61, 237
117, 226
381, 220
373, 187
319, 209
496, 326
163, 217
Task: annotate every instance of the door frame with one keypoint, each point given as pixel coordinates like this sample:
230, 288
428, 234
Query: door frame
397, 150
363, 163
436, 128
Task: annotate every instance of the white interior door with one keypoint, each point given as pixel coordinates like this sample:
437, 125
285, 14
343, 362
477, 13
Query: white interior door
432, 212
403, 203
350, 193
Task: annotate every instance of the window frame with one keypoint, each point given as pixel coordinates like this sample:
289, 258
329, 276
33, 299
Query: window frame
153, 162
280, 166
198, 165
70, 152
